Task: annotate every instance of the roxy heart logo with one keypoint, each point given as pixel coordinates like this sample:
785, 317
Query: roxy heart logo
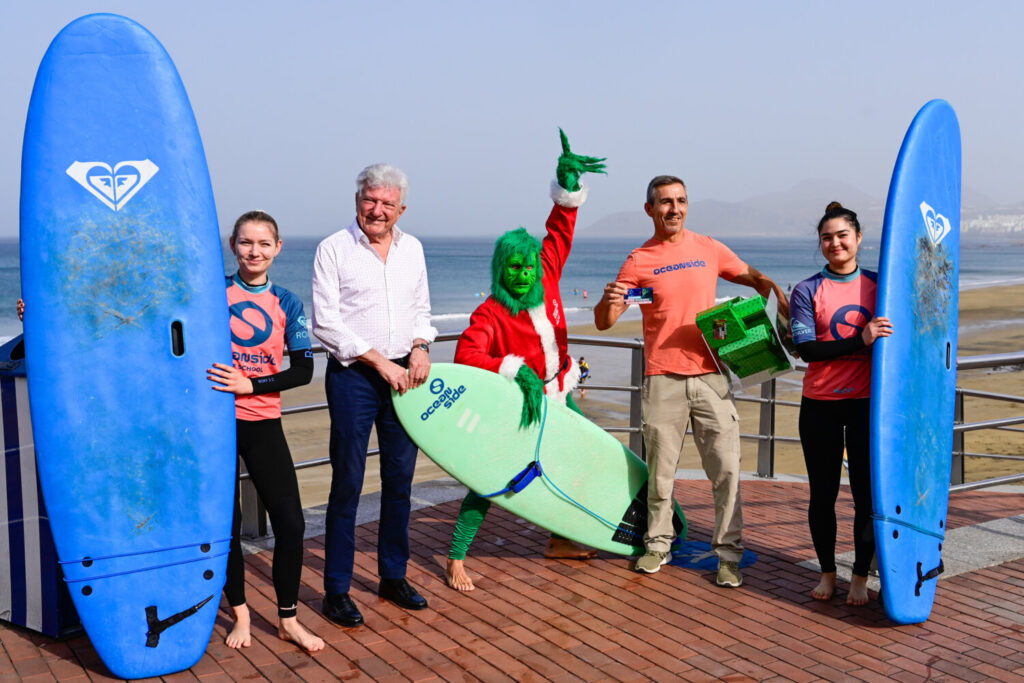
113, 186
937, 224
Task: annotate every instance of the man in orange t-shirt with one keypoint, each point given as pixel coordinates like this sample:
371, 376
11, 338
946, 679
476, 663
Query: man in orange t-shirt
681, 380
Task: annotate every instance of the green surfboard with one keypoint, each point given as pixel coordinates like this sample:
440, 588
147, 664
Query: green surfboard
588, 486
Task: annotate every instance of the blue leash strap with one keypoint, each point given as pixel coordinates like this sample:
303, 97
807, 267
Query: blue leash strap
531, 471
520, 481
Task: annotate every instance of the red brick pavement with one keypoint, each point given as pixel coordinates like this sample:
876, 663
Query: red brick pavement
532, 619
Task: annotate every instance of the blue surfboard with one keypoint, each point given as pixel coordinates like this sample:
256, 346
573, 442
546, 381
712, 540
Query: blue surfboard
123, 280
913, 379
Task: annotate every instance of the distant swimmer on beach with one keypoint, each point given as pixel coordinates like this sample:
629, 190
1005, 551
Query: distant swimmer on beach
584, 375
21, 309
520, 333
681, 379
371, 310
834, 326
265, 320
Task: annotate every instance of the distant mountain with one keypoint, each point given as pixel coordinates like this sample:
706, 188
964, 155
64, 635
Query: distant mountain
793, 212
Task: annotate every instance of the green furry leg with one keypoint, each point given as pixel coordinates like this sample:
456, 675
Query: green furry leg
571, 404
471, 516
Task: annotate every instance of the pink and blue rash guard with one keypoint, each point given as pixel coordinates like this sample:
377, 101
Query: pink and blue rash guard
264, 321
829, 308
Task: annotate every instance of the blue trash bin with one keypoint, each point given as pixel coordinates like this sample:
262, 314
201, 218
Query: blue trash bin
32, 589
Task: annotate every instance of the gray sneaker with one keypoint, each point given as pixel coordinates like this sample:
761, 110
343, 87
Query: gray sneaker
729, 574
651, 561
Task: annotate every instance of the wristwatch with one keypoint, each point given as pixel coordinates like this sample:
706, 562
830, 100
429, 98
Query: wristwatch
424, 346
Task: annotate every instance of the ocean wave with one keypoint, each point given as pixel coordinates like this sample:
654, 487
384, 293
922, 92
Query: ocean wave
982, 284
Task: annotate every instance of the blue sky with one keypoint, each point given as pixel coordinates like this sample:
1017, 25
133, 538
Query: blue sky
738, 98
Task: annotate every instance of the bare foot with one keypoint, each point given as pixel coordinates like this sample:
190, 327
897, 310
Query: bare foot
456, 576
239, 636
858, 594
290, 629
564, 549
826, 587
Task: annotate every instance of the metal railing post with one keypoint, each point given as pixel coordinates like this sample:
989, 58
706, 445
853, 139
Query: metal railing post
766, 429
254, 515
957, 472
636, 378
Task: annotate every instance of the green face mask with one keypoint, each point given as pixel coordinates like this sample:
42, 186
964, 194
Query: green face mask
519, 274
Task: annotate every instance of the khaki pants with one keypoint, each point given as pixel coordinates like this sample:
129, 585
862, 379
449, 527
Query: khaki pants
669, 401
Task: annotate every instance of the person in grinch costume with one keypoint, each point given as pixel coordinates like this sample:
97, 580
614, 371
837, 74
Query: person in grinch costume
519, 332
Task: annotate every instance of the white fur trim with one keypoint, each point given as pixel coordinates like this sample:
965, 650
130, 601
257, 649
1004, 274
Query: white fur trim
569, 200
510, 366
569, 382
546, 332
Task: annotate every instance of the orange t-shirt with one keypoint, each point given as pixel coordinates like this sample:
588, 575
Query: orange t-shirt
683, 275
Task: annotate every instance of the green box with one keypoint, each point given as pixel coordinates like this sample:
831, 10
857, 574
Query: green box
756, 352
729, 321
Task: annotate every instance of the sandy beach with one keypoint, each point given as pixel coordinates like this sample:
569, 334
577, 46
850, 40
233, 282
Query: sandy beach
991, 321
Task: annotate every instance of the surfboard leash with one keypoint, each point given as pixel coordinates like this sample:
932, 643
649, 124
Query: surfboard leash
534, 470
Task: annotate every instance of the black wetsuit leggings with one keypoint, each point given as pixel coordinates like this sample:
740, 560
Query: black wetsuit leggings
261, 444
823, 425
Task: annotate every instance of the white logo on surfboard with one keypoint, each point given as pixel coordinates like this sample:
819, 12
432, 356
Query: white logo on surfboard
113, 186
937, 224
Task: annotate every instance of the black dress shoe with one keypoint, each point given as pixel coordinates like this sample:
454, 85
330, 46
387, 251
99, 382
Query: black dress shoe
340, 609
401, 593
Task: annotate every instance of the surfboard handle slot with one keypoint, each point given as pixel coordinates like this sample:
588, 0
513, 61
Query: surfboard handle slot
144, 569
921, 578
146, 552
949, 352
177, 339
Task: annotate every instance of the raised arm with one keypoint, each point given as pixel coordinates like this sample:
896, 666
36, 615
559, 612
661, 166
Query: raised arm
764, 285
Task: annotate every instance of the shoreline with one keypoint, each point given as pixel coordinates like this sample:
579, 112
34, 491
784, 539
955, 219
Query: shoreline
992, 320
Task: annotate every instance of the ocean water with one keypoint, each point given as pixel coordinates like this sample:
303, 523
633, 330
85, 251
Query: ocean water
459, 270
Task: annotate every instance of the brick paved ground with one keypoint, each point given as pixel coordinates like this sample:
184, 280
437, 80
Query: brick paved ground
532, 619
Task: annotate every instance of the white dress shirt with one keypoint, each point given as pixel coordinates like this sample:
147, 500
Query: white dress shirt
362, 302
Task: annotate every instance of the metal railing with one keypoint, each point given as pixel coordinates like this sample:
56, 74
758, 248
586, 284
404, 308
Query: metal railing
254, 519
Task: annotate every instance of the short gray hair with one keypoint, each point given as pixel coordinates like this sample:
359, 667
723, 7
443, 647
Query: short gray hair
659, 181
382, 175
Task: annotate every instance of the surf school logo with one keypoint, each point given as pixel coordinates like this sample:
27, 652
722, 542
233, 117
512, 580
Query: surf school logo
114, 186
257, 333
937, 224
848, 321
446, 397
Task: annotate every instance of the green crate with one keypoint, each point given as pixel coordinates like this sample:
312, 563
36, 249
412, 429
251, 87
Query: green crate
756, 352
751, 311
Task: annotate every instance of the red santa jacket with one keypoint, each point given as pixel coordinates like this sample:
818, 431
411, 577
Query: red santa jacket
500, 342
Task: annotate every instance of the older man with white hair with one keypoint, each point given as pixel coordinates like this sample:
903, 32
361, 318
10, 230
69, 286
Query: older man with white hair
371, 310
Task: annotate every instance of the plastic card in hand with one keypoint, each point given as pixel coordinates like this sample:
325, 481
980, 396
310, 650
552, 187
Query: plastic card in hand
639, 295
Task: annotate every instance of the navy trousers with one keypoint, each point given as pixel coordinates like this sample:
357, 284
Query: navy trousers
358, 398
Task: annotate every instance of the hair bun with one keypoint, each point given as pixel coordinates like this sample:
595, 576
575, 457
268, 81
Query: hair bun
833, 206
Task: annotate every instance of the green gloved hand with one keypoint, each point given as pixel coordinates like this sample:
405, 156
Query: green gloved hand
572, 166
533, 395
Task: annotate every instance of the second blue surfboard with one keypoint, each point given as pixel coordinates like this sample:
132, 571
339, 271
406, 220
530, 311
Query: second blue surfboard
913, 380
